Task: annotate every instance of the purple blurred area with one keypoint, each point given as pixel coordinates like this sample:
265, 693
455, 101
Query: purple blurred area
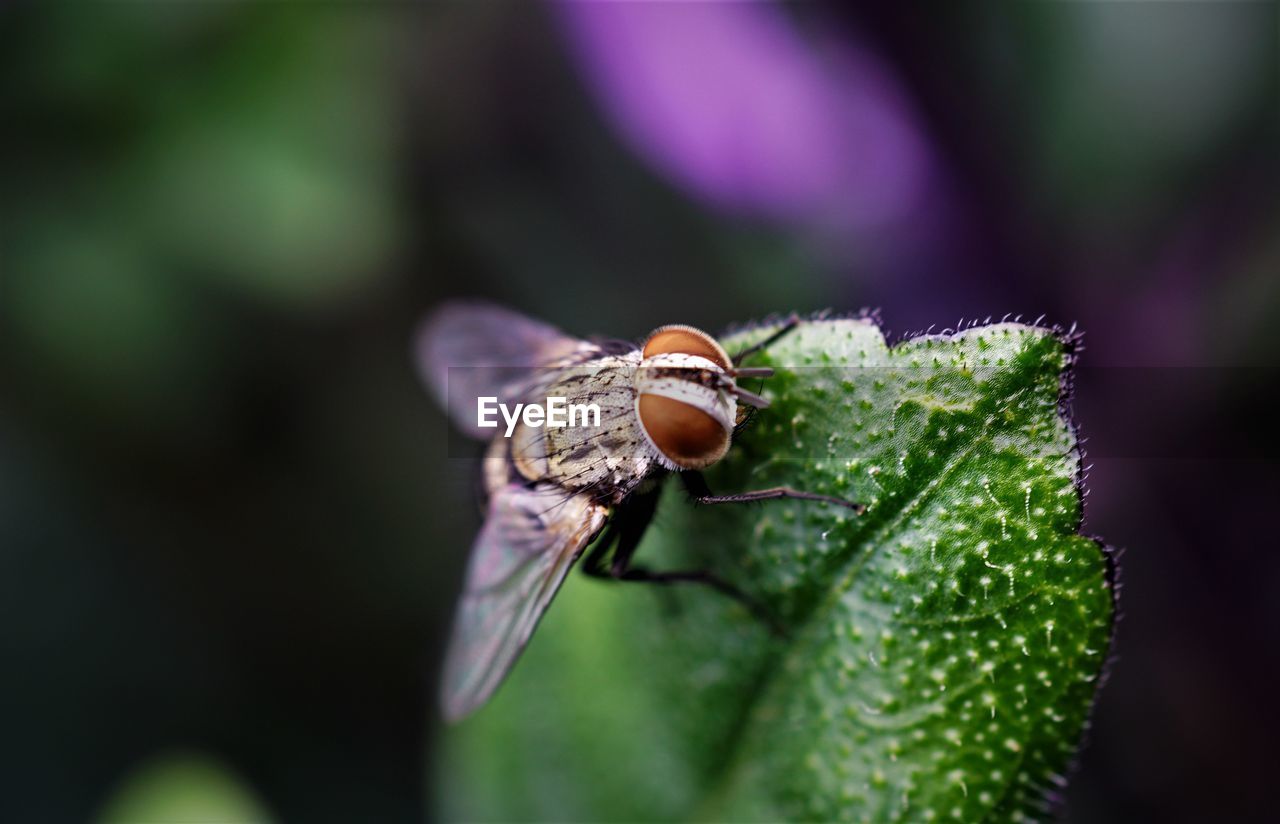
733, 104
228, 521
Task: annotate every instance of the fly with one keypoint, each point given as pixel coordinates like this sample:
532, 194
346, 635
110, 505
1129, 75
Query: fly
668, 405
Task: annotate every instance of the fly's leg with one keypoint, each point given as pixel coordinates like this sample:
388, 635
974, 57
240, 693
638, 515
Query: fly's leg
626, 529
697, 487
754, 401
623, 535
791, 322
707, 578
593, 565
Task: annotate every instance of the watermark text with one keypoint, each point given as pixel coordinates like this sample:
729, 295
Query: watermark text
556, 413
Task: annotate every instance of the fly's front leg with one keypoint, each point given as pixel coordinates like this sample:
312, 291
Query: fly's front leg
701, 494
752, 400
791, 322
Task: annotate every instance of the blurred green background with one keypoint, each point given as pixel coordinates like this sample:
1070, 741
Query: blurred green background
229, 533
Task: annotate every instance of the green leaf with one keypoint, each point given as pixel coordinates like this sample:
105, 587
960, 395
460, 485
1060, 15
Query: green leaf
943, 648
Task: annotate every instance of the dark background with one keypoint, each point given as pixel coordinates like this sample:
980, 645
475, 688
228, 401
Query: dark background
229, 532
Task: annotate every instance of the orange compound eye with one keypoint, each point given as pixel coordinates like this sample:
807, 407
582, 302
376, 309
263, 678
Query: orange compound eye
684, 434
686, 340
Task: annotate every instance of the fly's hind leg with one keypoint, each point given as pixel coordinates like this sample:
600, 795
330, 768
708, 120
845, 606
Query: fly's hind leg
625, 531
622, 535
707, 578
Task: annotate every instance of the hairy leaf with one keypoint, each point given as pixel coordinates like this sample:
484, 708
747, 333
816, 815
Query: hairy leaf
941, 651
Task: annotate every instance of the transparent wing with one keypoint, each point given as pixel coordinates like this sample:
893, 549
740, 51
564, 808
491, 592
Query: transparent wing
530, 539
469, 350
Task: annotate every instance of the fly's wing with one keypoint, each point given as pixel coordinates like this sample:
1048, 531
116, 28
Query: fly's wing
470, 350
530, 539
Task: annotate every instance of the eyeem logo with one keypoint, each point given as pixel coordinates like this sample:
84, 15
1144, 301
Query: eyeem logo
557, 413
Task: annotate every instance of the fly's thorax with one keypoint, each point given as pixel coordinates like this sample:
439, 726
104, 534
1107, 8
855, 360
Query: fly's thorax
610, 457
684, 408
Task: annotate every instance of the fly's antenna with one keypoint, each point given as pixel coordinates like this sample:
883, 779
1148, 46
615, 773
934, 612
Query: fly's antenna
728, 382
750, 398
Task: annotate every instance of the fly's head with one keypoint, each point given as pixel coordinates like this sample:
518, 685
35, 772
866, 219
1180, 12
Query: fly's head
687, 396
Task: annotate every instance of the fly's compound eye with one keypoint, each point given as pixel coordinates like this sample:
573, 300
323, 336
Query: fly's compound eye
685, 435
686, 340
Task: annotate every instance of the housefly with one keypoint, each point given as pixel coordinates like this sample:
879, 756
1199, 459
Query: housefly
669, 405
